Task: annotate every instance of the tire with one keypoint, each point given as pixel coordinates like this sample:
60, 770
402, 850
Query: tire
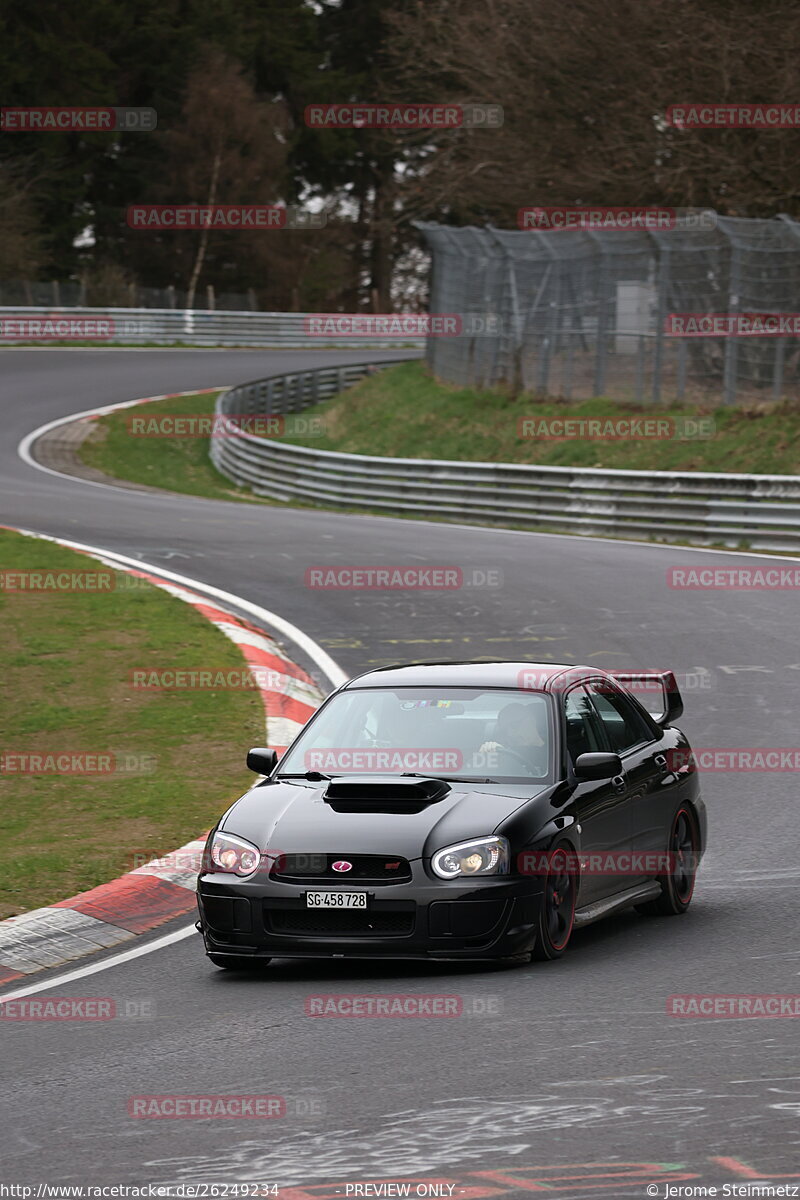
235, 962
677, 888
557, 915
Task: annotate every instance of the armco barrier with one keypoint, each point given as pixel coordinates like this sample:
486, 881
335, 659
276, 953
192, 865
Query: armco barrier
167, 326
759, 511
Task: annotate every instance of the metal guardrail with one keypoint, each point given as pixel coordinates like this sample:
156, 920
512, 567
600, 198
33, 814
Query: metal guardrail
759, 511
167, 326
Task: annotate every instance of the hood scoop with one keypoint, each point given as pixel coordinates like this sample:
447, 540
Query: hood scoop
376, 793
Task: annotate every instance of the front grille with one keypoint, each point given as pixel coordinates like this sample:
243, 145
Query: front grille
367, 868
314, 922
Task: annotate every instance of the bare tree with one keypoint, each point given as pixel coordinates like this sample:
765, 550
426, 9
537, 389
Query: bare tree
228, 148
585, 88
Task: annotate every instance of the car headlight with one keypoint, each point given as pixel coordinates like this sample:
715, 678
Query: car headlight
481, 856
234, 854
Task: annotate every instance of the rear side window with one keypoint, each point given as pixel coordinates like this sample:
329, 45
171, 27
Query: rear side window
624, 726
581, 724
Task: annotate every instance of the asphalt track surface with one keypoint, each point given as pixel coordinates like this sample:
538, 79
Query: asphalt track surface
576, 1061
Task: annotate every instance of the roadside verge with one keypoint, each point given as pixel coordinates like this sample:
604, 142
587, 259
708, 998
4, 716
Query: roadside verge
160, 890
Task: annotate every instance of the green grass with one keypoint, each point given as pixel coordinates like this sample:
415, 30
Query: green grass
403, 412
179, 464
65, 660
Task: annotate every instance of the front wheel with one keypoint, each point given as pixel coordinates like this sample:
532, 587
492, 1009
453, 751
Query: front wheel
239, 962
557, 914
677, 886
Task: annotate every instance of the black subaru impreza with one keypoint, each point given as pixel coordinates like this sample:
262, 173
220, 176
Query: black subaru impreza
458, 811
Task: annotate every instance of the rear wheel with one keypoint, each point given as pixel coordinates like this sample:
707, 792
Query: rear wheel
237, 962
677, 887
557, 914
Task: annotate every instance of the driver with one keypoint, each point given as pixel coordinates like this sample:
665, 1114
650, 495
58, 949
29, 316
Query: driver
518, 731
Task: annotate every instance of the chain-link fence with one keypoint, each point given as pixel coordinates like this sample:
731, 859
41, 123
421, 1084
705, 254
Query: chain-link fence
580, 313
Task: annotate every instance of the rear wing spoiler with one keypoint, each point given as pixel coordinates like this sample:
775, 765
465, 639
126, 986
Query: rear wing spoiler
657, 692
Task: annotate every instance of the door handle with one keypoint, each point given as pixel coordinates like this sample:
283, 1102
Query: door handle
618, 783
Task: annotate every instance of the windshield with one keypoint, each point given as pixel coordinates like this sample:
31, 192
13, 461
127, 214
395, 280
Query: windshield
466, 733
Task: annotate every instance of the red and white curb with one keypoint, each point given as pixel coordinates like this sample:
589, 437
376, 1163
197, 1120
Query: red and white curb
25, 447
164, 888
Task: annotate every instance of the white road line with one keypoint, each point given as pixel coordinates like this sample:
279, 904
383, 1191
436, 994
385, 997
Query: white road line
24, 447
314, 651
93, 968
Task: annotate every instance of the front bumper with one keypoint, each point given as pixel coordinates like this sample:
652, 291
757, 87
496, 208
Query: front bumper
418, 919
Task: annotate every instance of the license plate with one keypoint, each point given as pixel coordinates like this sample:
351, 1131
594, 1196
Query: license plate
336, 899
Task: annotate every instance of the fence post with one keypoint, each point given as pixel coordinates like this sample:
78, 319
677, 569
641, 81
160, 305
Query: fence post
683, 354
639, 384
601, 349
661, 318
777, 377
731, 344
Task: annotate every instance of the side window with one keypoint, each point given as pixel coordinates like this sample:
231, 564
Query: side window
624, 726
581, 719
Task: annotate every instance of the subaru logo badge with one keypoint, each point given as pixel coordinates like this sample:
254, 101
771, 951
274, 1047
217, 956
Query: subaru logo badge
341, 864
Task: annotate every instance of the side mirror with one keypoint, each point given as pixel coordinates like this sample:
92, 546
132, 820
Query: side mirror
262, 760
598, 766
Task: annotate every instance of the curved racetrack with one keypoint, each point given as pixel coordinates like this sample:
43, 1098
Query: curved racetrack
577, 1061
